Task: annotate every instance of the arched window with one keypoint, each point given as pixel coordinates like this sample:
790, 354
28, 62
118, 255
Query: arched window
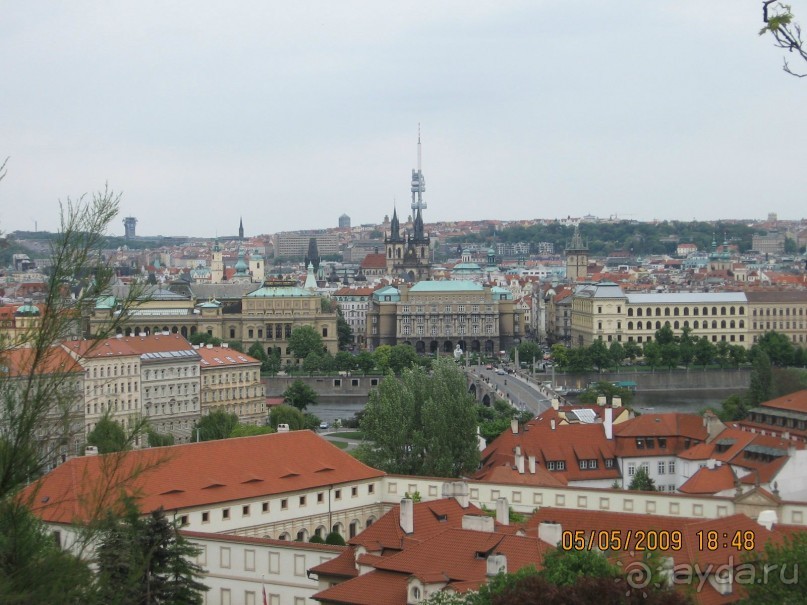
731, 324
630, 312
742, 323
658, 311
676, 311
695, 311
686, 311
723, 324
714, 324
639, 312
731, 311
666, 311
695, 325
675, 324
658, 325
630, 325
714, 310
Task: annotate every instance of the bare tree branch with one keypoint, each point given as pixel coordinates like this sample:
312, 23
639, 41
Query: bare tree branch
779, 22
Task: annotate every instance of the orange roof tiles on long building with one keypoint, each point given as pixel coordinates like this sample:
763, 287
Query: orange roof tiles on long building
198, 474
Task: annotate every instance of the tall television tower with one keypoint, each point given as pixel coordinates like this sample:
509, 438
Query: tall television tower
418, 184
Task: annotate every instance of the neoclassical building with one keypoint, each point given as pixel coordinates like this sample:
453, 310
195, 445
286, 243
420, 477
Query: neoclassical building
240, 312
436, 316
603, 311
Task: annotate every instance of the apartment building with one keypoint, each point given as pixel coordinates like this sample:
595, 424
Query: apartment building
231, 381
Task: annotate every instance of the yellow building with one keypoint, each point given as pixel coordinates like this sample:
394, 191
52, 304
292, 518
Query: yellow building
231, 381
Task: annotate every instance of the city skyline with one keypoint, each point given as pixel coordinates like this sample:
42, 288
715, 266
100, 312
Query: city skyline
528, 110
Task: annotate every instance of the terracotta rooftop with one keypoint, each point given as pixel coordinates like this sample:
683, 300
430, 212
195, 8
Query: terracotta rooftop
709, 480
223, 356
196, 474
21, 361
795, 402
374, 261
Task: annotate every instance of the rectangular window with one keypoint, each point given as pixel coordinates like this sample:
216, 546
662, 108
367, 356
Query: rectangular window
205, 517
284, 504
337, 494
225, 513
274, 562
224, 557
245, 510
671, 467
371, 488
302, 500
661, 467
264, 507
249, 560
299, 565
631, 469
354, 491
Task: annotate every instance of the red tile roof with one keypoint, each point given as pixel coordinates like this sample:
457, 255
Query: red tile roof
374, 261
196, 474
709, 481
54, 360
223, 356
795, 402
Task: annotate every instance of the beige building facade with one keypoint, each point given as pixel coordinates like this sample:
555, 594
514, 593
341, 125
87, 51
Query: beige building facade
438, 316
231, 381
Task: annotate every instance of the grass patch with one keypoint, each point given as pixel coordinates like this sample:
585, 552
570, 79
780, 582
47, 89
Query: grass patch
355, 435
342, 445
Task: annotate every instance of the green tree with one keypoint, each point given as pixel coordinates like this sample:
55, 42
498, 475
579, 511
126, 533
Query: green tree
33, 568
218, 424
734, 407
345, 362
335, 538
559, 355
381, 357
599, 355
578, 359
365, 362
704, 352
257, 351
286, 414
300, 395
203, 338
632, 350
617, 353
669, 354
305, 340
422, 424
777, 347
37, 407
787, 558
652, 354
737, 355
664, 335
343, 330
156, 439
566, 567
761, 387
251, 430
641, 481
312, 363
686, 352
608, 390
402, 357
529, 351
147, 560
108, 436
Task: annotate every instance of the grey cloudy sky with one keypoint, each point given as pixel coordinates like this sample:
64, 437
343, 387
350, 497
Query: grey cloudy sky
291, 113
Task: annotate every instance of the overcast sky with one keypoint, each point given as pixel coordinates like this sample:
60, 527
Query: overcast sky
289, 113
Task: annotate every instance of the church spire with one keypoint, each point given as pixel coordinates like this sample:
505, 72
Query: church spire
241, 228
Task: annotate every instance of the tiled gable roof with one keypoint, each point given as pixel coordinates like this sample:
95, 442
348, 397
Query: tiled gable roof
795, 402
20, 361
709, 480
374, 261
197, 474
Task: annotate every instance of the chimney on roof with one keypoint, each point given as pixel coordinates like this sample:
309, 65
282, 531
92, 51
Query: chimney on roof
710, 464
616, 401
552, 423
531, 462
550, 532
90, 450
555, 403
496, 564
514, 426
225, 345
478, 523
601, 400
407, 516
502, 511
608, 423
519, 460
767, 519
457, 490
